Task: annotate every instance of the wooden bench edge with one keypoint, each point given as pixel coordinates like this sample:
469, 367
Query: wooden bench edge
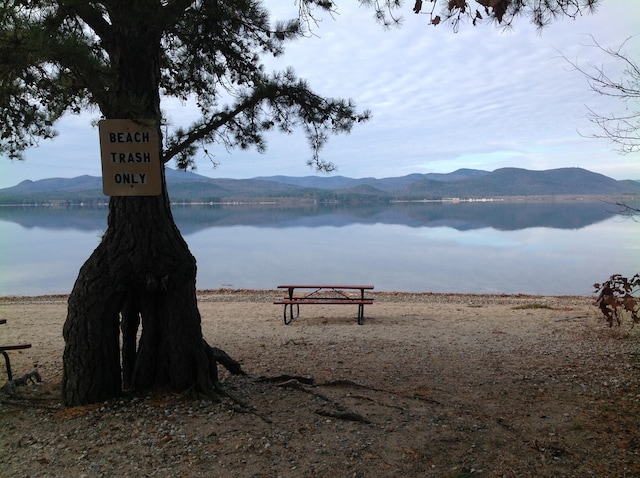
15, 347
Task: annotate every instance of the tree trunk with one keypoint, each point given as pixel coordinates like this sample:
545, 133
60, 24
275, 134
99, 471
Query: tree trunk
141, 273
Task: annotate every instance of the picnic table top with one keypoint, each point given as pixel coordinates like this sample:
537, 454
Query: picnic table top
324, 286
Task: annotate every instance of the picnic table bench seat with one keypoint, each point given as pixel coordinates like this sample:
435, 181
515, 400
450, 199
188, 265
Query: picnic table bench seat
6, 348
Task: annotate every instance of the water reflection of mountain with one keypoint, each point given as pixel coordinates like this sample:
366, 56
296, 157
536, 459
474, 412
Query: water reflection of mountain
59, 218
460, 216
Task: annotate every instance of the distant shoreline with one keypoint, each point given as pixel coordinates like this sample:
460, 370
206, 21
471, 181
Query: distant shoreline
295, 202
257, 295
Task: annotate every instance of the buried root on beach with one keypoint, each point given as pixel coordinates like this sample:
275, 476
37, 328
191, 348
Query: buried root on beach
430, 385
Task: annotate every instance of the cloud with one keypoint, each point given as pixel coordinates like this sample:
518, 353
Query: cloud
481, 98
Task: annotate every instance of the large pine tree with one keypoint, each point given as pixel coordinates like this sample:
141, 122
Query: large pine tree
121, 57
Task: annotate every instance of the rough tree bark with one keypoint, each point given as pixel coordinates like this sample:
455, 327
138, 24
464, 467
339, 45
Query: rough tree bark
142, 273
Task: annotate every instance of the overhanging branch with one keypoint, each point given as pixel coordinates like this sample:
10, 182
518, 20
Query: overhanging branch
202, 131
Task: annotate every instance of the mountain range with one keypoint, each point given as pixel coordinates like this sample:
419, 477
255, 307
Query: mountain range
189, 187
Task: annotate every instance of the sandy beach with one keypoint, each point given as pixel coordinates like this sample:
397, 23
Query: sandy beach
431, 385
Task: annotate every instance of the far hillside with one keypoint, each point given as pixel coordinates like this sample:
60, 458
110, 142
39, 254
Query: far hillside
463, 184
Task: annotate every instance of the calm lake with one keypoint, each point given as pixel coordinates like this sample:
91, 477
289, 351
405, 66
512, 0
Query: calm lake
532, 248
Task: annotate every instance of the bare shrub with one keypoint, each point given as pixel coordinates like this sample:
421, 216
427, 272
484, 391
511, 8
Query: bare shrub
618, 297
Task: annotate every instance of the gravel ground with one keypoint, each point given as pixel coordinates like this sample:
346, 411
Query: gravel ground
432, 385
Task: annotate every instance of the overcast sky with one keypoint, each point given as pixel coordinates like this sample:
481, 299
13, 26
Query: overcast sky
482, 98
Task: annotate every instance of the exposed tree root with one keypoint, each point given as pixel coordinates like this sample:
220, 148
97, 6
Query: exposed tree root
10, 388
305, 384
349, 383
286, 378
221, 357
344, 415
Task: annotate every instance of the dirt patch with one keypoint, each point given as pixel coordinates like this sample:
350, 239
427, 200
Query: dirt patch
430, 385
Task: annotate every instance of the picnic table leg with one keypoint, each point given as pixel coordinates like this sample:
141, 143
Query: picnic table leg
291, 316
8, 364
361, 308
